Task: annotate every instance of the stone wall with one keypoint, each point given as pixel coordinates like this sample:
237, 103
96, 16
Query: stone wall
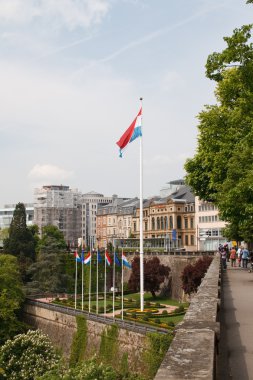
192, 354
60, 327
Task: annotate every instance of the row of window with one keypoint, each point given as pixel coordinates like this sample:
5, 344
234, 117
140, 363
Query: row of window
207, 207
208, 218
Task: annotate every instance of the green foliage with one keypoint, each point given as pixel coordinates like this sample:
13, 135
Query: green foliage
79, 341
221, 170
11, 297
48, 273
27, 356
20, 241
192, 276
158, 345
88, 370
109, 346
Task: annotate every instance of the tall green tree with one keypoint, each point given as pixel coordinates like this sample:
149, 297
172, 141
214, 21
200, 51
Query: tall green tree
11, 297
48, 273
221, 170
20, 241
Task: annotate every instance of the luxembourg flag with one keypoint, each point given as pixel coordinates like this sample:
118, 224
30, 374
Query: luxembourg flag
76, 256
125, 262
131, 133
87, 259
107, 258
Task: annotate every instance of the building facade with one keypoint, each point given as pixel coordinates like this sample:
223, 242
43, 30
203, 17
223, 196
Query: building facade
171, 218
90, 203
59, 206
114, 221
208, 226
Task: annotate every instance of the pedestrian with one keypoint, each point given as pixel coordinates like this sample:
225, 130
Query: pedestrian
223, 254
239, 255
245, 257
233, 257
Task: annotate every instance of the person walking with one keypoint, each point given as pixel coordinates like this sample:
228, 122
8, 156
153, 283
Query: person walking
233, 257
223, 254
245, 257
239, 256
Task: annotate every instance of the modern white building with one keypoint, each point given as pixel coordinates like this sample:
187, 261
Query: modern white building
208, 226
6, 214
90, 203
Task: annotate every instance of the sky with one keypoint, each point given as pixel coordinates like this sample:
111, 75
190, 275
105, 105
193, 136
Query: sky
71, 76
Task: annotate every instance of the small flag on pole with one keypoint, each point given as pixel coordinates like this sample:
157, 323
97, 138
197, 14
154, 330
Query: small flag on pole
107, 258
77, 257
99, 258
131, 133
87, 259
117, 261
125, 262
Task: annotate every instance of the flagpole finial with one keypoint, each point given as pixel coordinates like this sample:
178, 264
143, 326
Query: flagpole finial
141, 99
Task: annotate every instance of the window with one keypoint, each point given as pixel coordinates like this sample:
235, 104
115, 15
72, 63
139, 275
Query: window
162, 225
186, 240
165, 222
158, 223
179, 222
134, 226
192, 239
171, 222
185, 223
192, 223
153, 223
146, 226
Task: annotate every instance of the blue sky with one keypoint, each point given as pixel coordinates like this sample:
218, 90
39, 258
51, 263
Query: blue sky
72, 73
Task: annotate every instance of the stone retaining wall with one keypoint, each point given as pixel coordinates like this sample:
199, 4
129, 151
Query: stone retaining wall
60, 328
192, 354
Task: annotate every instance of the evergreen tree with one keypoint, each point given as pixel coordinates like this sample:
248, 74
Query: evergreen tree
48, 273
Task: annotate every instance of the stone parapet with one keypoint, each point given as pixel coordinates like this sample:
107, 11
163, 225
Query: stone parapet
192, 354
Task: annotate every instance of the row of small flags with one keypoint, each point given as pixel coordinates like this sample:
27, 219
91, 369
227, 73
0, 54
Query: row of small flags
87, 259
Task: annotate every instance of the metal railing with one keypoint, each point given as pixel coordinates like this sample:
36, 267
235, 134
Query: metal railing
127, 325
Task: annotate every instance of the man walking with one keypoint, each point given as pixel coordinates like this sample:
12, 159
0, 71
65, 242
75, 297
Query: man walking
245, 257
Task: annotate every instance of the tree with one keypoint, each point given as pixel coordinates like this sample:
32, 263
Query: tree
193, 273
11, 297
28, 356
221, 169
20, 241
48, 273
154, 275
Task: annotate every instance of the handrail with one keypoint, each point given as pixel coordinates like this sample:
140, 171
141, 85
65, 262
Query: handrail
128, 325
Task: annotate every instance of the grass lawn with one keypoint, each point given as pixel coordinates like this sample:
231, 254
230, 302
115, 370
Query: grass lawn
163, 300
176, 319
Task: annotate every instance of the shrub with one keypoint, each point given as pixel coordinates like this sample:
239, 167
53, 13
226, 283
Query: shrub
27, 356
164, 312
133, 315
93, 307
179, 309
158, 321
171, 324
145, 318
147, 303
101, 309
193, 274
157, 304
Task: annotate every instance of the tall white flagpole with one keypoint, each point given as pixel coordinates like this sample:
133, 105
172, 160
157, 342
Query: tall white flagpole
97, 284
141, 225
122, 288
105, 287
76, 283
90, 274
113, 294
82, 273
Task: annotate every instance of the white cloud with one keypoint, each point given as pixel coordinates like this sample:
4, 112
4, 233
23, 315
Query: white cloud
67, 13
49, 172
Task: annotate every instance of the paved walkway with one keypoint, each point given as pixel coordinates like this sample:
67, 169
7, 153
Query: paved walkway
236, 349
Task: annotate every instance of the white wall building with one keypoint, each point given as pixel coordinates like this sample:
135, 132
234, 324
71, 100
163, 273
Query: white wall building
208, 226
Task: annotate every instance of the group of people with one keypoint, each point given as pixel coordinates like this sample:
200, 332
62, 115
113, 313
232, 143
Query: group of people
233, 254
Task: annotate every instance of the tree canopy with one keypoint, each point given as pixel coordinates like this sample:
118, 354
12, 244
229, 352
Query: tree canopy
11, 297
221, 170
154, 275
48, 273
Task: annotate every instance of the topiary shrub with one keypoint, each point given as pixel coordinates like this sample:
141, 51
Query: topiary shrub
179, 309
164, 312
157, 321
